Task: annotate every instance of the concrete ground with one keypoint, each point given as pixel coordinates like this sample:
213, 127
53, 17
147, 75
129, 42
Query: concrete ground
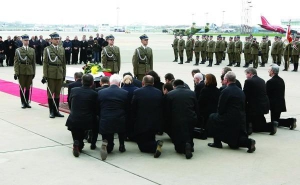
37, 150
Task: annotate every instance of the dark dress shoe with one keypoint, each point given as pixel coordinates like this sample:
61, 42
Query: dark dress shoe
76, 148
195, 64
57, 114
274, 128
294, 124
284, 70
214, 145
175, 61
251, 148
188, 151
93, 146
122, 148
23, 106
28, 106
158, 149
229, 65
187, 61
180, 63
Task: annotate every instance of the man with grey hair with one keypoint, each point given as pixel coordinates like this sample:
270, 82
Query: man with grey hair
257, 104
113, 114
199, 83
229, 123
147, 108
276, 92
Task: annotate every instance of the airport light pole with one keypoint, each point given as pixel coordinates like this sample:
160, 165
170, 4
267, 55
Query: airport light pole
193, 18
223, 19
206, 17
118, 9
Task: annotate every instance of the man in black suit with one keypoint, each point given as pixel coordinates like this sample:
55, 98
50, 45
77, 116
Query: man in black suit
199, 84
10, 49
136, 82
40, 45
182, 110
104, 83
257, 104
275, 91
113, 114
83, 50
229, 123
83, 115
147, 116
77, 83
75, 50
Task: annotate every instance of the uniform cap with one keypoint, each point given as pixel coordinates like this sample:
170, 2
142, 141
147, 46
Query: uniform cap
237, 36
110, 37
144, 37
219, 36
230, 37
197, 36
276, 37
264, 38
25, 37
54, 35
254, 38
211, 36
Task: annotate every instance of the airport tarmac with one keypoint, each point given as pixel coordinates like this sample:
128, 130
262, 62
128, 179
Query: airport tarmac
37, 150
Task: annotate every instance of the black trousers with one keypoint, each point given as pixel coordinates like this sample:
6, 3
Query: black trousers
68, 56
38, 58
243, 141
275, 116
259, 123
74, 57
110, 140
83, 56
146, 142
78, 134
95, 131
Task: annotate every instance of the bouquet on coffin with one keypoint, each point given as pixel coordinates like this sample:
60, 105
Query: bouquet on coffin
96, 70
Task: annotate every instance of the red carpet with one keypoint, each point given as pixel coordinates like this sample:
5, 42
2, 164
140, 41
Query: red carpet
38, 95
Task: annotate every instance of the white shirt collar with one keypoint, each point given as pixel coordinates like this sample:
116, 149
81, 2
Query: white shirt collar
144, 46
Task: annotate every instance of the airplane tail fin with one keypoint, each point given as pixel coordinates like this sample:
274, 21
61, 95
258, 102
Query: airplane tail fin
264, 21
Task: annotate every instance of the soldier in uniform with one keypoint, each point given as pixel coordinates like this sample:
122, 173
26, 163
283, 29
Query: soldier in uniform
226, 45
175, 48
111, 57
54, 73
296, 53
203, 49
230, 51
219, 50
238, 50
264, 51
24, 66
274, 50
192, 50
269, 44
189, 49
279, 50
287, 55
254, 52
210, 50
142, 59
247, 52
197, 49
180, 47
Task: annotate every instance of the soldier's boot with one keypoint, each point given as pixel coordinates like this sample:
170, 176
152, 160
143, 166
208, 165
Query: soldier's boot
22, 100
27, 98
51, 108
262, 64
217, 63
202, 61
246, 65
181, 60
197, 62
295, 67
210, 63
56, 111
237, 64
251, 61
230, 63
187, 60
176, 59
285, 67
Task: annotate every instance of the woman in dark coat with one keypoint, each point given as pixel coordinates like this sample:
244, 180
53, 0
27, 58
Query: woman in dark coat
128, 86
208, 100
157, 83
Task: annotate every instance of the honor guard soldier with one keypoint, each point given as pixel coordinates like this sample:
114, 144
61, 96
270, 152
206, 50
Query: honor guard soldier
274, 50
54, 71
192, 51
24, 66
203, 49
210, 50
269, 44
111, 57
189, 49
197, 49
279, 50
142, 59
230, 51
226, 44
263, 51
238, 51
287, 55
220, 48
254, 52
181, 46
175, 48
247, 52
296, 53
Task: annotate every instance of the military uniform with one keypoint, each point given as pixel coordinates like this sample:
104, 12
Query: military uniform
203, 49
254, 52
269, 44
181, 46
280, 52
296, 53
287, 55
142, 60
230, 51
111, 57
175, 48
54, 71
274, 51
226, 45
197, 49
264, 51
189, 50
24, 67
210, 51
238, 50
247, 53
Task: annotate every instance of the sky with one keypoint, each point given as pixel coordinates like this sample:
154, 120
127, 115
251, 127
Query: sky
152, 12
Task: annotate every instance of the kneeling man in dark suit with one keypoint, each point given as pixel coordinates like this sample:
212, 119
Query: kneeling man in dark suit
83, 115
229, 123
